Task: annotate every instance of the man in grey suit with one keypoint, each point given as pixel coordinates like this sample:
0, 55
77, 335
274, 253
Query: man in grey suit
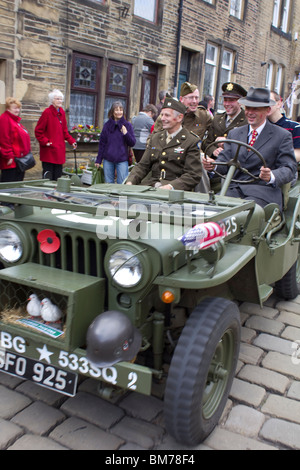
275, 145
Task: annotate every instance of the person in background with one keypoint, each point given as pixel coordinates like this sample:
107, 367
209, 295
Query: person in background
116, 136
51, 132
279, 119
142, 124
161, 95
210, 101
14, 141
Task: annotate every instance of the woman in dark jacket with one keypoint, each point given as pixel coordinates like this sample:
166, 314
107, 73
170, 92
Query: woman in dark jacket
52, 131
14, 141
116, 136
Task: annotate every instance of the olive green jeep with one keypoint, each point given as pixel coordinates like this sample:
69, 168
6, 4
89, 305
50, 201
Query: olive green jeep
147, 284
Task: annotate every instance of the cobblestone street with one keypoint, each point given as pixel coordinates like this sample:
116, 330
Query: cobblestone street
263, 410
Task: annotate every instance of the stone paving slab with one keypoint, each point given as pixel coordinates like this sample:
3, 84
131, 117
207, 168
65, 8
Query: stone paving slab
262, 413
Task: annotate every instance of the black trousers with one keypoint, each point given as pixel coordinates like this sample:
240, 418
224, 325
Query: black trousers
12, 174
51, 171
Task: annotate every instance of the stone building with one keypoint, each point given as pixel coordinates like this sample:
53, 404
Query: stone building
98, 50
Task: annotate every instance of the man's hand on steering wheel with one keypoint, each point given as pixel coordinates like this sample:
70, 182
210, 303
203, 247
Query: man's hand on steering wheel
208, 163
265, 174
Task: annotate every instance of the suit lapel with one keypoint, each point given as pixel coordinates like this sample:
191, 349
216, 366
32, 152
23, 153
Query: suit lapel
264, 136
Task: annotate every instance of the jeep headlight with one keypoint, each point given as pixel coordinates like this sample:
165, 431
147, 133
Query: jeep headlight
125, 268
11, 246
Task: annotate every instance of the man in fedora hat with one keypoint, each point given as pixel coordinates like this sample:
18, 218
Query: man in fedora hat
234, 116
172, 155
273, 142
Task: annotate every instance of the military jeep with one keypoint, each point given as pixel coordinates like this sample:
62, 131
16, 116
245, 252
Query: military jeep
107, 250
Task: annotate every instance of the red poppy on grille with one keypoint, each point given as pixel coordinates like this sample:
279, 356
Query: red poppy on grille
49, 241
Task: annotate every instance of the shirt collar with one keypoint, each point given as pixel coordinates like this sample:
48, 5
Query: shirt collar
258, 130
175, 133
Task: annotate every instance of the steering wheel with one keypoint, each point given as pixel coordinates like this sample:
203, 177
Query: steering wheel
234, 163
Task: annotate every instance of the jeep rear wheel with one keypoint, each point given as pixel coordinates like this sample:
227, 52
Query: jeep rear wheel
202, 370
288, 287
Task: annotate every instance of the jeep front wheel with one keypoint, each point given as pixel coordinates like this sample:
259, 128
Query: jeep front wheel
202, 370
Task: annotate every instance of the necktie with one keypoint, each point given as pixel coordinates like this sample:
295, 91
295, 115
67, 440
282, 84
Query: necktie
169, 138
253, 138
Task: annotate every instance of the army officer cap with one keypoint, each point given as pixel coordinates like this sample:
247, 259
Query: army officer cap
233, 90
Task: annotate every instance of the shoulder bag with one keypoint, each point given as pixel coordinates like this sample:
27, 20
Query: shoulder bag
26, 162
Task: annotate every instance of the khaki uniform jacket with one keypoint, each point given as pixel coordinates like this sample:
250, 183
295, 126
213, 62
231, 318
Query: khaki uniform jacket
218, 129
198, 122
176, 163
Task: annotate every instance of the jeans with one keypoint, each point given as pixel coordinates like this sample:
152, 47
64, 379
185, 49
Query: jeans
109, 171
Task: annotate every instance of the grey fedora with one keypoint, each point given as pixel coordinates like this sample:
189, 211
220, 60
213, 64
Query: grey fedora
257, 98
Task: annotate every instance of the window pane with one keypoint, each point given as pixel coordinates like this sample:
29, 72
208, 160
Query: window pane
275, 21
269, 76
82, 109
118, 79
145, 9
85, 73
227, 60
209, 80
285, 16
236, 8
278, 80
211, 55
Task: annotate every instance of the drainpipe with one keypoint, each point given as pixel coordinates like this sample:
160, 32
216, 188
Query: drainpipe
180, 10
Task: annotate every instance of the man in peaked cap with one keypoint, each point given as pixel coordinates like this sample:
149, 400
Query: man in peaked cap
197, 119
172, 155
234, 116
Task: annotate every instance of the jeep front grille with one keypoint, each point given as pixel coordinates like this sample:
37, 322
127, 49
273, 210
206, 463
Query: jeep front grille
82, 254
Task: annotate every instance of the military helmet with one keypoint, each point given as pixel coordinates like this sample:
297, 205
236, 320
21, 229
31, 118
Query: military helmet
112, 338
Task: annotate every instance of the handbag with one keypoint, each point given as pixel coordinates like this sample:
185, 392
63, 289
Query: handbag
26, 162
98, 176
131, 157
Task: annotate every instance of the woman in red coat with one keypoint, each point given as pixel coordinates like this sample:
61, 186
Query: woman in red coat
51, 131
14, 141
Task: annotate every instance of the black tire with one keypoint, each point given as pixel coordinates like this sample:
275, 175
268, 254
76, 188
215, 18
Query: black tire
194, 400
288, 287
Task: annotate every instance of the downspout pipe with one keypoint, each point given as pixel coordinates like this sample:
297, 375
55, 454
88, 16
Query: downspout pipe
180, 12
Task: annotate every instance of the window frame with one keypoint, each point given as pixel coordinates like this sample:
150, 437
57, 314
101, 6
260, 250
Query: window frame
241, 9
282, 17
269, 75
157, 25
155, 12
83, 90
214, 64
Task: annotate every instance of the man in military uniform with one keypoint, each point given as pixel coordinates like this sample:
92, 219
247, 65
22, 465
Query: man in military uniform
172, 155
234, 116
197, 119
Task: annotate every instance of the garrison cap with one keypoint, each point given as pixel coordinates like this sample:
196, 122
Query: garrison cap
173, 103
187, 88
233, 90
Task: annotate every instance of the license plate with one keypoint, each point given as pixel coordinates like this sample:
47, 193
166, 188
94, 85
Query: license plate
42, 374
